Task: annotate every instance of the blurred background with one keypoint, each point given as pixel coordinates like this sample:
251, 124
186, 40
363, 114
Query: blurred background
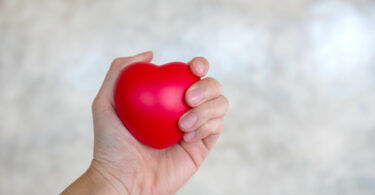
299, 74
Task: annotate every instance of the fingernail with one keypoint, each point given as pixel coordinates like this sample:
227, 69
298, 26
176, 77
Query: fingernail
189, 136
199, 66
195, 96
188, 121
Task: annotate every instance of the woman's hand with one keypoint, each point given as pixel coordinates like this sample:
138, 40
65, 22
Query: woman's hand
122, 165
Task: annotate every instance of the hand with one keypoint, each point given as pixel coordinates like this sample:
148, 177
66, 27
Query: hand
122, 165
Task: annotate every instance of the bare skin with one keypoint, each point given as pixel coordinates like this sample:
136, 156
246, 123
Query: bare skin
122, 165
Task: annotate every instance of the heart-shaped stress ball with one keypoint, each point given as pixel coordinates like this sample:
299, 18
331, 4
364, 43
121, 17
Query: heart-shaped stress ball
149, 100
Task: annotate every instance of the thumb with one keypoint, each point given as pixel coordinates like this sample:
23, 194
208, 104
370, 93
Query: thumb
105, 95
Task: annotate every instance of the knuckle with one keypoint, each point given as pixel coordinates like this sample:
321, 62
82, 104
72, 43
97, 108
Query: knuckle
219, 130
118, 61
225, 102
206, 130
210, 80
220, 101
207, 126
94, 103
213, 83
206, 113
220, 125
207, 83
97, 105
197, 85
203, 113
212, 108
214, 126
219, 106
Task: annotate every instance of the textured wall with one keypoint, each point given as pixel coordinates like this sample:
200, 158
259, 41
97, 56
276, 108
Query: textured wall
299, 74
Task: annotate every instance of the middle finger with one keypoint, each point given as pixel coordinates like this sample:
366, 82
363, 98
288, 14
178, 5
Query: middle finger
197, 116
202, 91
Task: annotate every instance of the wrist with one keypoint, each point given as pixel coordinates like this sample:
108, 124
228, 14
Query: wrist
96, 181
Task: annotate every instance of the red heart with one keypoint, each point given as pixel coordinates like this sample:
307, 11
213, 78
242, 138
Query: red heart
149, 100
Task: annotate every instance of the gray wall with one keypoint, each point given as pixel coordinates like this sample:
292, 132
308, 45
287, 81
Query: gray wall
299, 75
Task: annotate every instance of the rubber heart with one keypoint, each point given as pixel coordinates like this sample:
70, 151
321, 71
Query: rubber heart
149, 100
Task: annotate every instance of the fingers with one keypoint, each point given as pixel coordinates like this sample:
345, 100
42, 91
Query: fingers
205, 120
199, 115
199, 66
211, 127
104, 99
202, 91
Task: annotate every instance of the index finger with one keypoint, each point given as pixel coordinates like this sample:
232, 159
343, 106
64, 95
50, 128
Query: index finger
199, 66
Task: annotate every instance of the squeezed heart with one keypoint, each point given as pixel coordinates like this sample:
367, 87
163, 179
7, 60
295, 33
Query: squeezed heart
149, 100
